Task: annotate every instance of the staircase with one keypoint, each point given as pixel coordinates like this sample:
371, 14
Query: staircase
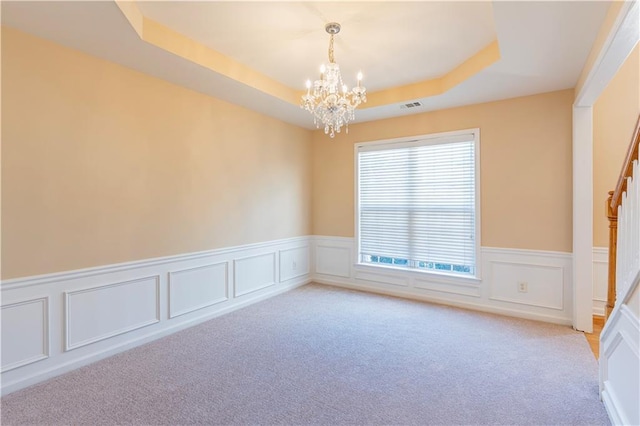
620, 337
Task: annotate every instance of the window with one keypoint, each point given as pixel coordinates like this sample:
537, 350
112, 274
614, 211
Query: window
418, 203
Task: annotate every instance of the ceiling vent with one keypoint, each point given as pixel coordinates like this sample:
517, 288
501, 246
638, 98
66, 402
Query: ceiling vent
410, 105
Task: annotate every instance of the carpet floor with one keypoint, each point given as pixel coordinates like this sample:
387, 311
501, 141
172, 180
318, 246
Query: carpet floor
324, 355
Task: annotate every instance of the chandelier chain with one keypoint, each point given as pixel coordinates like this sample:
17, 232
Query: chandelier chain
331, 58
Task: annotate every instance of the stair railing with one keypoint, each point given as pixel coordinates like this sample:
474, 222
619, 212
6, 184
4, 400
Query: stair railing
623, 211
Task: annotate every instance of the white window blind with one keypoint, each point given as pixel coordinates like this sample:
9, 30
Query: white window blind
417, 204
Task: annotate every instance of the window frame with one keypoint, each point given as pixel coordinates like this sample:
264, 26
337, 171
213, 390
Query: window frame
420, 140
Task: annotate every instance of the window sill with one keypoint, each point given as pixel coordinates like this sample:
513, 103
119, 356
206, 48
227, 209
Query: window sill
439, 276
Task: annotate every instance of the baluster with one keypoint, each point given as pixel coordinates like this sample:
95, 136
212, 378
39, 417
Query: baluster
613, 238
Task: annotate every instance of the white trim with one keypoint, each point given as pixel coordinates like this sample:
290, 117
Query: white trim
125, 266
620, 42
343, 240
550, 254
583, 218
601, 254
419, 273
610, 403
427, 139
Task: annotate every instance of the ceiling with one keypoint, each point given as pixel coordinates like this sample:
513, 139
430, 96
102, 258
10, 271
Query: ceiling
288, 42
259, 54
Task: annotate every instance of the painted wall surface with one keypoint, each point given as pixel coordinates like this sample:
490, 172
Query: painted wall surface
102, 164
525, 171
615, 115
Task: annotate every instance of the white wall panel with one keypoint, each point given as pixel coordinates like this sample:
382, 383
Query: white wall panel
446, 287
196, 288
623, 365
98, 313
620, 366
377, 277
254, 273
544, 284
294, 263
333, 260
25, 332
600, 279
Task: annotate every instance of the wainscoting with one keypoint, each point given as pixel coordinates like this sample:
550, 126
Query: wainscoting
547, 276
55, 323
620, 366
620, 352
600, 279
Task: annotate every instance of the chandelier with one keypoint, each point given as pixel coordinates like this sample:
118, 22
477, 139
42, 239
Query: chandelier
331, 103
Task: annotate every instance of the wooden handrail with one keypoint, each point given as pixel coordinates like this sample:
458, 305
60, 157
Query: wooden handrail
627, 167
613, 202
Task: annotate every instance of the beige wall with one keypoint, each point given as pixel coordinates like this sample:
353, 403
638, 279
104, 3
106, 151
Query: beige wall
615, 114
102, 164
526, 168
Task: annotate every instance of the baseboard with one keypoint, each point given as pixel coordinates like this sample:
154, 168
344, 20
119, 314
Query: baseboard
56, 323
448, 302
599, 307
610, 404
547, 273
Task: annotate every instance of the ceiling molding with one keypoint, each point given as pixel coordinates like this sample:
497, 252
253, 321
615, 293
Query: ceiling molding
617, 38
437, 86
257, 60
172, 41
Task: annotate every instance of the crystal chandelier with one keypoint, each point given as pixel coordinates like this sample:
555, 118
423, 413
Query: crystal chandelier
331, 102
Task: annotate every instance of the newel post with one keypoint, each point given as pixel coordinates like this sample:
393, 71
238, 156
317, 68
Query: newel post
613, 245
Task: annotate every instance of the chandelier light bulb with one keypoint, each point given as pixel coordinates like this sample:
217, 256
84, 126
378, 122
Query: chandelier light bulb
331, 102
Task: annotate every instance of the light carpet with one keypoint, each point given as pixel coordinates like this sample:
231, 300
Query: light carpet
324, 355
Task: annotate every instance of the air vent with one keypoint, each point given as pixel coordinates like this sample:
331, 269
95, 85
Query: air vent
410, 105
